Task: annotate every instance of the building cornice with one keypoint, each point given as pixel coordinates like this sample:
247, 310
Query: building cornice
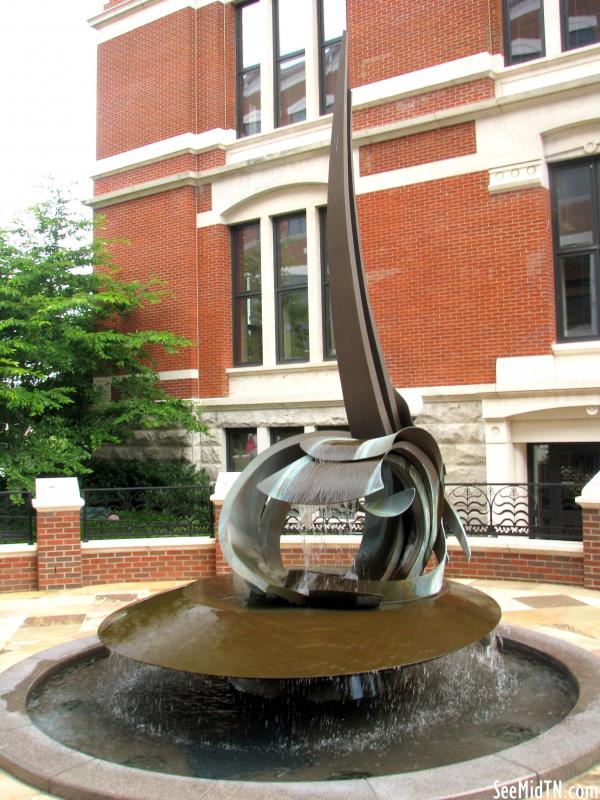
430, 394
133, 8
440, 119
521, 84
194, 143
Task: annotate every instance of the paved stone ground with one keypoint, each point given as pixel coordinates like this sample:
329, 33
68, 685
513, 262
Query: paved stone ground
33, 621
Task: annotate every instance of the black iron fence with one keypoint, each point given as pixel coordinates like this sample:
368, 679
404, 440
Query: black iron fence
17, 518
147, 511
530, 510
533, 510
334, 520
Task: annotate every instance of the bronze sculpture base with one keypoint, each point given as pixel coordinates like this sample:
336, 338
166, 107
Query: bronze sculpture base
214, 627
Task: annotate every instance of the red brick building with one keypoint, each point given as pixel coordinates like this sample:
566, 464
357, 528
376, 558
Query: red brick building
477, 169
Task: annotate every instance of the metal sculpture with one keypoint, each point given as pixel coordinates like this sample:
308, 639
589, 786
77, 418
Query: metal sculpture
390, 468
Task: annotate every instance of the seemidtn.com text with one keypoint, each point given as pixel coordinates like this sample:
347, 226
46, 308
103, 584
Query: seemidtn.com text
548, 790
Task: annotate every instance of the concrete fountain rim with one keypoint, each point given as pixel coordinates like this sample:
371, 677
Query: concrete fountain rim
564, 751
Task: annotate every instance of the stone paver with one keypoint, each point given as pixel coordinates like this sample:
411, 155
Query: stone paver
34, 621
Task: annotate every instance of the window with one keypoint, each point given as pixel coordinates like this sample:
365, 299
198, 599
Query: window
580, 23
248, 68
576, 217
523, 30
562, 469
291, 24
333, 428
332, 21
241, 448
291, 287
277, 434
328, 339
247, 307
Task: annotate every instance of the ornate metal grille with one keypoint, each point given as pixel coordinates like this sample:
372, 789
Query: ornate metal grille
533, 510
334, 520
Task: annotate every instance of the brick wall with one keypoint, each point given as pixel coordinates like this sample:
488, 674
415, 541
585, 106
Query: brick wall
165, 560
418, 105
146, 82
167, 168
149, 172
171, 76
511, 566
162, 563
395, 38
214, 255
155, 237
483, 287
215, 65
421, 148
18, 571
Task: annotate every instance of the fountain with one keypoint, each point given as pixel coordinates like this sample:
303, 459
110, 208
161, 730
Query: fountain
381, 675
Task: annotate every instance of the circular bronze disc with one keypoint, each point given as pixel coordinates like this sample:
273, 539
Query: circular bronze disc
211, 627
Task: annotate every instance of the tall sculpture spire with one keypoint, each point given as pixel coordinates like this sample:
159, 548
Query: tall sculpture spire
373, 406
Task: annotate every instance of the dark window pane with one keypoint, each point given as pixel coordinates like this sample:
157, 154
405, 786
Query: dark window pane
277, 434
248, 315
247, 258
251, 35
291, 256
525, 31
583, 22
333, 428
293, 18
539, 461
250, 102
331, 61
334, 19
574, 196
578, 287
241, 448
329, 341
293, 321
292, 91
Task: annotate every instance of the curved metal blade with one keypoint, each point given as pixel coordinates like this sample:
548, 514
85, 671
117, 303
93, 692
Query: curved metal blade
373, 406
391, 506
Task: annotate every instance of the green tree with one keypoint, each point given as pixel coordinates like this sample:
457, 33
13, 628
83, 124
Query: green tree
62, 309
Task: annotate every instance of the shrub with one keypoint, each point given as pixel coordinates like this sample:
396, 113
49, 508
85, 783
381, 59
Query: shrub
116, 472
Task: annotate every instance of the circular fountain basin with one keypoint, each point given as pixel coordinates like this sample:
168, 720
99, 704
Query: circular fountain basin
564, 750
209, 627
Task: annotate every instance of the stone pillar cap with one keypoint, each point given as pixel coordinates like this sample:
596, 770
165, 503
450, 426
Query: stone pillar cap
590, 494
225, 481
57, 494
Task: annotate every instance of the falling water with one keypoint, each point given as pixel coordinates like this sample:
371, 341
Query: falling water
474, 702
315, 523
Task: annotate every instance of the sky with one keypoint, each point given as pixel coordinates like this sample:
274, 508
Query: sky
47, 99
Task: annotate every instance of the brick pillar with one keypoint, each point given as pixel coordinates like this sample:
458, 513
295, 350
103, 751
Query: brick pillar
221, 566
590, 505
58, 504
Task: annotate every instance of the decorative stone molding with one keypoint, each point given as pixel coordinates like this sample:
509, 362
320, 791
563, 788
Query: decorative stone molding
572, 141
57, 494
528, 175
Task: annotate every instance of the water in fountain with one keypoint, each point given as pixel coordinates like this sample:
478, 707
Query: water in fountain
471, 703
